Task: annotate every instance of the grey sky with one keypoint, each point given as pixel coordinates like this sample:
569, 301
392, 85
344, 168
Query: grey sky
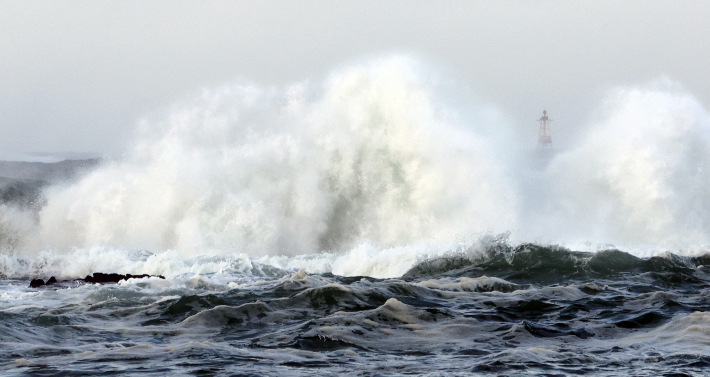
77, 75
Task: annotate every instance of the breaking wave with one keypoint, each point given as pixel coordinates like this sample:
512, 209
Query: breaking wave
371, 172
369, 156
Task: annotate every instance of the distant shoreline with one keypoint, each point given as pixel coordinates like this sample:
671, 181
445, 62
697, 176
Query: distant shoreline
22, 182
48, 172
47, 157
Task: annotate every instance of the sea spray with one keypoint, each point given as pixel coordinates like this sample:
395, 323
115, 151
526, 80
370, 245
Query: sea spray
640, 176
371, 167
369, 156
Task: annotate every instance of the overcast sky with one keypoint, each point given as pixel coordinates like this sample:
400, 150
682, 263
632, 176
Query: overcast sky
77, 75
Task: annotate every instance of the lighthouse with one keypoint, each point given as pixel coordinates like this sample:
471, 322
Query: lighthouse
544, 141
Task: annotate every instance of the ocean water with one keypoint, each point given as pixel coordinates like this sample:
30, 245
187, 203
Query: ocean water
366, 225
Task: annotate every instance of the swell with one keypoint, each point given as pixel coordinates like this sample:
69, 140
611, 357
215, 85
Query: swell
538, 264
549, 310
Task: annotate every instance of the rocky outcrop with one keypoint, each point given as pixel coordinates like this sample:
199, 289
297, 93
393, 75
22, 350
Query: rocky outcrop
96, 278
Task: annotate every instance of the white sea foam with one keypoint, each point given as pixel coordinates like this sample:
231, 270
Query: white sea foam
78, 263
683, 334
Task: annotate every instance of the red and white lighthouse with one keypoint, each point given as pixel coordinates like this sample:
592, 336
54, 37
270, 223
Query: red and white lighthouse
544, 141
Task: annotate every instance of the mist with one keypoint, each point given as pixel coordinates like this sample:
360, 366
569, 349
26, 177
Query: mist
79, 77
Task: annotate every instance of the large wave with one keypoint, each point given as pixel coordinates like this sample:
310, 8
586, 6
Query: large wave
373, 168
368, 156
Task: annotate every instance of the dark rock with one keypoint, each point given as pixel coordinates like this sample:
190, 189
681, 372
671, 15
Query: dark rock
102, 278
96, 278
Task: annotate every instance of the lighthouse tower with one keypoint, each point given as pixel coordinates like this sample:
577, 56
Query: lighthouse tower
544, 141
